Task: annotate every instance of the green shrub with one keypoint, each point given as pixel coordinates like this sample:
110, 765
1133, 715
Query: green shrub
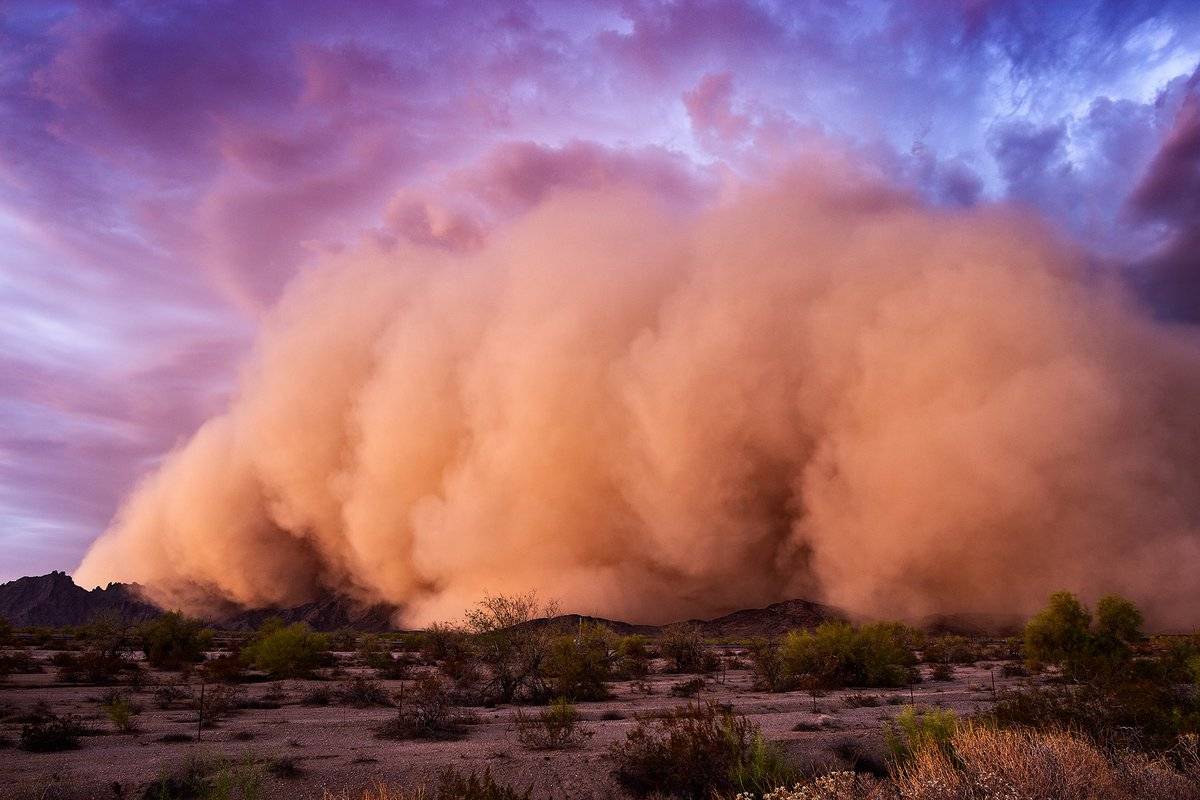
121, 711
556, 727
695, 752
683, 648
579, 664
633, 656
837, 654
950, 650
173, 641
291, 651
201, 779
942, 672
1141, 713
913, 731
453, 785
1063, 634
766, 661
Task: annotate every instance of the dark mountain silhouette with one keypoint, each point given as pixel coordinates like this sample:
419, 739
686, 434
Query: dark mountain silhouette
55, 600
774, 620
328, 613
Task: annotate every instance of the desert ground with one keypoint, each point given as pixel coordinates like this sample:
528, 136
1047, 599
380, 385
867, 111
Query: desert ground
308, 751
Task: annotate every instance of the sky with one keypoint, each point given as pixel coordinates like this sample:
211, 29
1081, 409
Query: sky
167, 167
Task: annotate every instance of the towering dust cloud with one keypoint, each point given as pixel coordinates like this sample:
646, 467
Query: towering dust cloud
815, 389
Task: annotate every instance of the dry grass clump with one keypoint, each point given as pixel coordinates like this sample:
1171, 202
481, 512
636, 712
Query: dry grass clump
556, 727
1029, 764
694, 752
982, 763
425, 712
451, 785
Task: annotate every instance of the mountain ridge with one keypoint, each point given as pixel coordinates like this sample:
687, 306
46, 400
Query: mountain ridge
56, 600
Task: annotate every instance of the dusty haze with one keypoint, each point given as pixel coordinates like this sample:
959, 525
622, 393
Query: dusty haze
813, 389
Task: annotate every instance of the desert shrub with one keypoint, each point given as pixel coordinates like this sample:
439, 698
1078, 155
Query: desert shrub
6, 631
285, 767
913, 731
363, 692
343, 640
376, 653
200, 779
1014, 669
173, 640
50, 733
555, 727
579, 664
214, 702
941, 671
837, 654
683, 648
984, 762
1137, 714
1064, 634
514, 651
858, 700
633, 656
425, 712
317, 696
766, 661
287, 651
101, 658
226, 668
694, 752
950, 650
16, 662
453, 785
441, 642
689, 688
168, 695
120, 710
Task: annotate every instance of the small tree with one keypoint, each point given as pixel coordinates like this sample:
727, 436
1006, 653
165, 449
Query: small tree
291, 651
837, 654
769, 672
633, 656
683, 648
579, 664
514, 650
173, 641
1063, 633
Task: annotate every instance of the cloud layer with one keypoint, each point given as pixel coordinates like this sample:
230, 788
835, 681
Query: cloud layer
818, 388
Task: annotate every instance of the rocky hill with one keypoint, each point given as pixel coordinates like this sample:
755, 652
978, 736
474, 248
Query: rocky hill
55, 600
774, 620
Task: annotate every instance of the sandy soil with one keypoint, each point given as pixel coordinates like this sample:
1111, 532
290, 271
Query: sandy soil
336, 750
